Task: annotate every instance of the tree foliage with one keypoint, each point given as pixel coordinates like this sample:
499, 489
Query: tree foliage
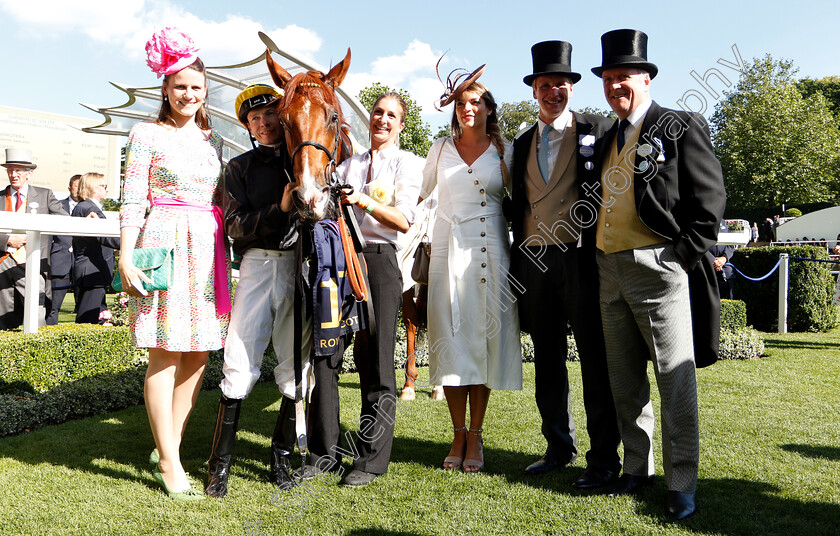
597, 111
829, 87
774, 145
512, 116
416, 136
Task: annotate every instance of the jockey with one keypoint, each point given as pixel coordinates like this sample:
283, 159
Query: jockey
256, 184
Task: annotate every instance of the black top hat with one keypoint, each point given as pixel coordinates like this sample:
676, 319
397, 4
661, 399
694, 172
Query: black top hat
552, 57
625, 48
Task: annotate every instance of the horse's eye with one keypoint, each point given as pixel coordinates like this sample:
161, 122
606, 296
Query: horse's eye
334, 118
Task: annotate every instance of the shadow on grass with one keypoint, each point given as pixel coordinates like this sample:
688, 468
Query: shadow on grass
814, 451
789, 344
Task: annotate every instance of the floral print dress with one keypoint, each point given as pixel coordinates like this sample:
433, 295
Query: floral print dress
164, 163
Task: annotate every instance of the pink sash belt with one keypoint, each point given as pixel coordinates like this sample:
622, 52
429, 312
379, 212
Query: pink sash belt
220, 280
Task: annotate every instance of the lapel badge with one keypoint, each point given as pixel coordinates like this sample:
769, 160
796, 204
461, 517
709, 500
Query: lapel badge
586, 140
644, 150
588, 165
586, 151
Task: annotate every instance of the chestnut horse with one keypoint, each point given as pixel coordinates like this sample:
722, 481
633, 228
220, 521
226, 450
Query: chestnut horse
316, 134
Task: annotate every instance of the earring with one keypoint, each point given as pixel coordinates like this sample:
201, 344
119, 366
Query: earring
165, 98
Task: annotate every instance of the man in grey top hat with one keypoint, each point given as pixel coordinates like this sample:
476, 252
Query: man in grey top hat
20, 196
553, 257
661, 199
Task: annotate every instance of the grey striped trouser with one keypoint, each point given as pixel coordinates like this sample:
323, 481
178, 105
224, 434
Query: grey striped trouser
647, 315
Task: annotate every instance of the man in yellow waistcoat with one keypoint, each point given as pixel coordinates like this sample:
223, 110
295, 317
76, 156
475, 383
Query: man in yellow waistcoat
20, 196
661, 200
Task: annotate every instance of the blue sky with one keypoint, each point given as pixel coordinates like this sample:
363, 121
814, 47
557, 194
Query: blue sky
57, 53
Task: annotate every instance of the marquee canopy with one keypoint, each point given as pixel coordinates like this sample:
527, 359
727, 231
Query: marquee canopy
224, 84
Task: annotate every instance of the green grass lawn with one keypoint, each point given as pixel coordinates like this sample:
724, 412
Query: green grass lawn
770, 465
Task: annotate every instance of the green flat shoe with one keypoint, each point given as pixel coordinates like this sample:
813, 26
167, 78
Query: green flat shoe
190, 494
154, 457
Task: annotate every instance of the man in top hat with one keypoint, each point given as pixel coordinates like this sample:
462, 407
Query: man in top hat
20, 196
553, 258
661, 200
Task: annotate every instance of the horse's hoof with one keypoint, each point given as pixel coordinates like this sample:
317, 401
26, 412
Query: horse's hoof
407, 394
437, 393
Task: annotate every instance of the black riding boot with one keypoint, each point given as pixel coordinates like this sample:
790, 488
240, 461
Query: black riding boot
227, 422
283, 445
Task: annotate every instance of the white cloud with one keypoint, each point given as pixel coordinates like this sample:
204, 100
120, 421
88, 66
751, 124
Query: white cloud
413, 70
128, 24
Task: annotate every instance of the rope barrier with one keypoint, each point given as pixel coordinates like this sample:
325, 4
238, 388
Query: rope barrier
776, 267
755, 278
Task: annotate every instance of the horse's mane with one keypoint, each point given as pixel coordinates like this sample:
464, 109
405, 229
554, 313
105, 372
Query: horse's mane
311, 85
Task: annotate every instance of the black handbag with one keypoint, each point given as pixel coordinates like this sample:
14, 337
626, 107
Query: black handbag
422, 257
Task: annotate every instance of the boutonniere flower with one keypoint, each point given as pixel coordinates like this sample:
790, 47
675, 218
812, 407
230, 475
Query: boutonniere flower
380, 192
586, 140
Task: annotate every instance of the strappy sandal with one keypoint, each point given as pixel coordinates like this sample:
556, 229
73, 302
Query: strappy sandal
455, 460
478, 464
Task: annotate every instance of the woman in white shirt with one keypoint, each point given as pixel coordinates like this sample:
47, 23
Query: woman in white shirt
473, 322
386, 184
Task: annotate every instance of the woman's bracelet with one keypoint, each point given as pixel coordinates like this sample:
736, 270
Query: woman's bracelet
370, 206
362, 202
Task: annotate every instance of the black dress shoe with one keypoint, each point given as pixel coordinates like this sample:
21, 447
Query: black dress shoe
628, 485
680, 505
357, 478
548, 462
594, 478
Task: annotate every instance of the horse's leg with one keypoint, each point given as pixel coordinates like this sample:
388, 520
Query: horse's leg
420, 307
410, 321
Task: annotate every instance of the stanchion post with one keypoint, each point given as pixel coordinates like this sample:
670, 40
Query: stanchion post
32, 288
784, 266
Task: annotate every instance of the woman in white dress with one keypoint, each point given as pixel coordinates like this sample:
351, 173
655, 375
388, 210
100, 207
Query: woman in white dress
473, 321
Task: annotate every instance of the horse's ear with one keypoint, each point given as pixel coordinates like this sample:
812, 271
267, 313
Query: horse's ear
336, 75
280, 75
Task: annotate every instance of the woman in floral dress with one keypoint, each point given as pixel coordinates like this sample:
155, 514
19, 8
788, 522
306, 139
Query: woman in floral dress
174, 165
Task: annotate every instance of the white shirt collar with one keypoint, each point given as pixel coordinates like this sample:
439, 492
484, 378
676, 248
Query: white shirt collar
637, 115
24, 190
563, 120
384, 153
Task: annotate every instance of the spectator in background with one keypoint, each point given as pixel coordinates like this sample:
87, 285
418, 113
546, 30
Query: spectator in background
776, 224
767, 230
93, 268
836, 249
61, 257
754, 233
22, 197
720, 256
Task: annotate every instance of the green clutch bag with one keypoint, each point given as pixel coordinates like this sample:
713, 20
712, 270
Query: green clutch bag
156, 264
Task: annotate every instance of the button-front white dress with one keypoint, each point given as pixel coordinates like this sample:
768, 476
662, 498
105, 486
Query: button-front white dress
473, 320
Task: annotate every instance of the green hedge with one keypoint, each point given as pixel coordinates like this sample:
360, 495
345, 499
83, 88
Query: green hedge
809, 294
733, 315
34, 363
743, 343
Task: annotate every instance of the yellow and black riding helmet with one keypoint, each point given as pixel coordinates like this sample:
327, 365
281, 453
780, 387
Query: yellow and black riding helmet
254, 96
